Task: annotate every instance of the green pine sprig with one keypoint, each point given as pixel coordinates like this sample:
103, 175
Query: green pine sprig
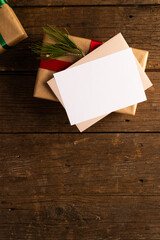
64, 46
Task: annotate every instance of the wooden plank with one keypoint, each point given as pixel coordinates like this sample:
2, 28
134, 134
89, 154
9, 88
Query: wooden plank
81, 2
48, 191
70, 218
138, 24
87, 230
20, 112
54, 165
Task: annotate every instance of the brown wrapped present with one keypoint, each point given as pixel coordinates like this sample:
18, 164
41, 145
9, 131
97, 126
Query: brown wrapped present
45, 73
11, 30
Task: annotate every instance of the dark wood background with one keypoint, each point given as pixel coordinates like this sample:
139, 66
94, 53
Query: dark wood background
58, 184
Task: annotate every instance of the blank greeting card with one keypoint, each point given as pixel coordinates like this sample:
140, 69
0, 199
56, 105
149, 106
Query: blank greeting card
100, 87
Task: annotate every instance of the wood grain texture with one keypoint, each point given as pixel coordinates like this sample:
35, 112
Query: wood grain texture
81, 2
48, 165
50, 192
20, 112
138, 24
70, 218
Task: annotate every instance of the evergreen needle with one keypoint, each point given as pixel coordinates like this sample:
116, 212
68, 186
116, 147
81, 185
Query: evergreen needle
63, 46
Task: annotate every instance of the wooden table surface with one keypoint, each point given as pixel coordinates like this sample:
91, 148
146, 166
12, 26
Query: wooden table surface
58, 184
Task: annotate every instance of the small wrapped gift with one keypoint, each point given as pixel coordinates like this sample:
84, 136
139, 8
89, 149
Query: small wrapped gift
11, 30
49, 67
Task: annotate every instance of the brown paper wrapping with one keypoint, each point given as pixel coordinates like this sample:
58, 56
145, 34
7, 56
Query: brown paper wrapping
42, 90
10, 27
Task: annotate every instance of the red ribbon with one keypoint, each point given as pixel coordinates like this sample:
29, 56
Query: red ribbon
58, 65
94, 45
54, 64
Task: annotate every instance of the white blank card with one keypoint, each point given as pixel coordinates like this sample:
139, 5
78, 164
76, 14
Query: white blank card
100, 87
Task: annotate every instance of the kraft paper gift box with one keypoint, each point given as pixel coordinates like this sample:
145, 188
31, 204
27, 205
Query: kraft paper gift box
49, 67
11, 30
114, 45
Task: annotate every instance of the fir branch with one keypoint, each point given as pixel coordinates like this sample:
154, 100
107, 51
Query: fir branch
64, 46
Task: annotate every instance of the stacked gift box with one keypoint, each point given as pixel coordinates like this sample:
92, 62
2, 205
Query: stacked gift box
93, 50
